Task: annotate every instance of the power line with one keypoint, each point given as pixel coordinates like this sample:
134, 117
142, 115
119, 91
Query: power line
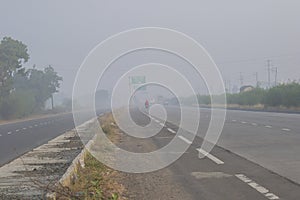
261, 59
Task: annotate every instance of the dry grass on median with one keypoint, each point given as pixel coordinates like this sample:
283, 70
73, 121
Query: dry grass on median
96, 181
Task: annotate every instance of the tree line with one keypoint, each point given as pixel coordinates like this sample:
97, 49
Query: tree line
23, 91
286, 95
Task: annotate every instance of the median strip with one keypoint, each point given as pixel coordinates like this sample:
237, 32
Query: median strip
87, 178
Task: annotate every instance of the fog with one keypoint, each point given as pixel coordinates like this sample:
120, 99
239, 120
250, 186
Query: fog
239, 35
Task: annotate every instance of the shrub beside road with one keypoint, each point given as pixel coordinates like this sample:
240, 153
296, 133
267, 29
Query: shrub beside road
281, 96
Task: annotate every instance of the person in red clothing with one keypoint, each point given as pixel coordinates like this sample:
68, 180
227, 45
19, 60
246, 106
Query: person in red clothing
146, 103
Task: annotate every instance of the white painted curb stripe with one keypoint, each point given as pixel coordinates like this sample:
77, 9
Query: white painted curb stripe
257, 187
211, 157
184, 139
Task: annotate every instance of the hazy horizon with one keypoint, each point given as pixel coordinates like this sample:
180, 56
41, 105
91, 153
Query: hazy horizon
240, 36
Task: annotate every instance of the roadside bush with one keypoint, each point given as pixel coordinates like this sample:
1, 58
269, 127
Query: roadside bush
253, 97
17, 104
287, 95
283, 95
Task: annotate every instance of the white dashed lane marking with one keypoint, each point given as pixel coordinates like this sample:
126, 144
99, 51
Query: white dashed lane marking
170, 130
257, 187
210, 156
268, 126
254, 124
286, 129
244, 122
233, 120
17, 130
184, 139
161, 124
8, 133
0, 135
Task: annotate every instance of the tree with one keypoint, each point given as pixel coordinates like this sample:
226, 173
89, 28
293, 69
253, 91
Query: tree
44, 83
12, 54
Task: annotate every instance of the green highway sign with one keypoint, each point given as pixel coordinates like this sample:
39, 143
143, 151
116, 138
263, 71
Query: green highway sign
138, 79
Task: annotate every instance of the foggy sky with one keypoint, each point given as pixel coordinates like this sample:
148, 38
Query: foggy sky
239, 35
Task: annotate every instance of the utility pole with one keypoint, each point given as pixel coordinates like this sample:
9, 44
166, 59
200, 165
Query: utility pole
276, 72
256, 78
241, 79
269, 73
228, 86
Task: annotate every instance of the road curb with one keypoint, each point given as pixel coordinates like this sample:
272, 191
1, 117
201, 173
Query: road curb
70, 175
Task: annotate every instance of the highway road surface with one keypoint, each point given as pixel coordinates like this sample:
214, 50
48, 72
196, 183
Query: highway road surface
269, 139
252, 147
257, 156
20, 137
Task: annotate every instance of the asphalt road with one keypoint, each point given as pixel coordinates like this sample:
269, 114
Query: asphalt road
20, 137
234, 170
252, 146
269, 139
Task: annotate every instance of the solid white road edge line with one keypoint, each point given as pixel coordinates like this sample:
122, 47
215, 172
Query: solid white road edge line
257, 187
210, 156
184, 139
